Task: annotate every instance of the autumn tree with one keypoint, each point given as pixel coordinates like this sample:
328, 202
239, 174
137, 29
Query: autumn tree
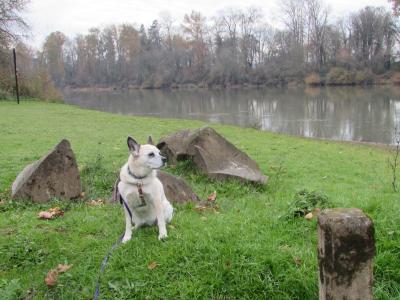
12, 24
53, 54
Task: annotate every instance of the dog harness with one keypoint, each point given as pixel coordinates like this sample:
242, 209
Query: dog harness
139, 185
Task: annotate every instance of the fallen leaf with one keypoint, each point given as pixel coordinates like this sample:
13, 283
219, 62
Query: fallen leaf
309, 216
200, 208
96, 202
171, 226
152, 265
82, 195
51, 278
212, 197
203, 218
285, 247
63, 268
45, 215
52, 275
297, 261
56, 211
51, 213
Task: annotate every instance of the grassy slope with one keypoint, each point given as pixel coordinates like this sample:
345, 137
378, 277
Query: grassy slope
246, 251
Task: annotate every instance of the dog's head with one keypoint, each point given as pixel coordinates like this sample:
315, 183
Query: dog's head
146, 156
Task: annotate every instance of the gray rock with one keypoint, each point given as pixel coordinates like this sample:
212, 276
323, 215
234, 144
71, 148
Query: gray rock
176, 189
212, 154
54, 175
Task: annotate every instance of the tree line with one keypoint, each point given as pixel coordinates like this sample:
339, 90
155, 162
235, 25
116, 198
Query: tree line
233, 47
34, 75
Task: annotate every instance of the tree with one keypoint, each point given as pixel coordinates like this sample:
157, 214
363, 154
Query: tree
11, 21
53, 53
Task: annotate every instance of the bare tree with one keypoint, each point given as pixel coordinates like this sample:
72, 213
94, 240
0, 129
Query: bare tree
11, 22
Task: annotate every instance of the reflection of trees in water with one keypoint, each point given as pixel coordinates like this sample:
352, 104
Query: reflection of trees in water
364, 114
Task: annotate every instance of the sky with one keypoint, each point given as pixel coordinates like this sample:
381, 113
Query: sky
76, 16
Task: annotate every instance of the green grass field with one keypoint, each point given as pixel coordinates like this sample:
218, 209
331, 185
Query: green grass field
250, 249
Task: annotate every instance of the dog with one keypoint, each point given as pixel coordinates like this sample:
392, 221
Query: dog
142, 193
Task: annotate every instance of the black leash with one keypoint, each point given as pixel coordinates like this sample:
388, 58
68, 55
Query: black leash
105, 259
103, 266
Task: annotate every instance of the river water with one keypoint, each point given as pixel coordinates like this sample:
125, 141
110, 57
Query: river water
338, 113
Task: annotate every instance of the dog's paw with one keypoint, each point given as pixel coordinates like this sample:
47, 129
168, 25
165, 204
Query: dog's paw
162, 236
126, 239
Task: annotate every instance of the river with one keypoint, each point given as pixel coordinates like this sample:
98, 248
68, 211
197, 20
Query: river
338, 113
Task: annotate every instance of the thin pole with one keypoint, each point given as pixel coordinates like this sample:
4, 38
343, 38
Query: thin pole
16, 75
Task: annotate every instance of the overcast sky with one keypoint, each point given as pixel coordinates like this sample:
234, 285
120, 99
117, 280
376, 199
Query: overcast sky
77, 16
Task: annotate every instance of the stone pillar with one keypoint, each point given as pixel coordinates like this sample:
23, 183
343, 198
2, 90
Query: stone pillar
346, 248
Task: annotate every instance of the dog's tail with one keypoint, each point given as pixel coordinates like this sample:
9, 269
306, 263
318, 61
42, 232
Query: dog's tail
116, 196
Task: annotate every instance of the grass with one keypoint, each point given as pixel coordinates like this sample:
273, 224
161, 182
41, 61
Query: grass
249, 250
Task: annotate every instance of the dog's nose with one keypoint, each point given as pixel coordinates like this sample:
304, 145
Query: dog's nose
164, 160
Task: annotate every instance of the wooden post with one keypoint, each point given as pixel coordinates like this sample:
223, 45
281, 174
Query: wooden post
346, 248
16, 75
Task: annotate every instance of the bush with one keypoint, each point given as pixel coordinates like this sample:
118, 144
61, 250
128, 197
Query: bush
306, 201
363, 77
313, 79
396, 78
340, 76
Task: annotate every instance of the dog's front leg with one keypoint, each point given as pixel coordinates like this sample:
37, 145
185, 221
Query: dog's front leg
128, 227
162, 228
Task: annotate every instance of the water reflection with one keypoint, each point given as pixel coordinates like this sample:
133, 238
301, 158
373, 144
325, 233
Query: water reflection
353, 114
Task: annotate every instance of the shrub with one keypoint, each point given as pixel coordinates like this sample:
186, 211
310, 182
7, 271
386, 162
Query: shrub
340, 76
313, 79
306, 201
363, 77
396, 78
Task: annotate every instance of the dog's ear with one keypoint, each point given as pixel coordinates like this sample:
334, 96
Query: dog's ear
133, 145
150, 140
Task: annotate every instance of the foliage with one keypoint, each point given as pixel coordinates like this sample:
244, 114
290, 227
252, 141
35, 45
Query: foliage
363, 77
313, 79
10, 289
244, 250
306, 201
340, 76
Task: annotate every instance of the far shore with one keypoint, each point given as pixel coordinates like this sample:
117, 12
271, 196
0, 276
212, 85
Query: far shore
192, 86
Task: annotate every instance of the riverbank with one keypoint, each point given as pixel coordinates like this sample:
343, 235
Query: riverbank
249, 248
335, 78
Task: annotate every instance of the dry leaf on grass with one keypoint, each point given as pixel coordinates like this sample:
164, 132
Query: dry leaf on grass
212, 197
50, 213
52, 275
96, 202
309, 216
200, 208
297, 260
152, 265
56, 211
82, 195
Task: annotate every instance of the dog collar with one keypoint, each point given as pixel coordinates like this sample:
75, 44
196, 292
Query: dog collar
134, 176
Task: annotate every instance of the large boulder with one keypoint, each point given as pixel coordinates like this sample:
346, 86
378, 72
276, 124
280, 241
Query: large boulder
54, 175
212, 154
176, 189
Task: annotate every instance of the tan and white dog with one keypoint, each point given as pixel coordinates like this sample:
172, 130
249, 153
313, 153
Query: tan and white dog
142, 191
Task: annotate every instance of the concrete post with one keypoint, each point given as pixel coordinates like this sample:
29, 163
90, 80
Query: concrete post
346, 248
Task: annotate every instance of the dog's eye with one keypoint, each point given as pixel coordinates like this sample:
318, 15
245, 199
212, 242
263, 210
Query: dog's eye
151, 154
